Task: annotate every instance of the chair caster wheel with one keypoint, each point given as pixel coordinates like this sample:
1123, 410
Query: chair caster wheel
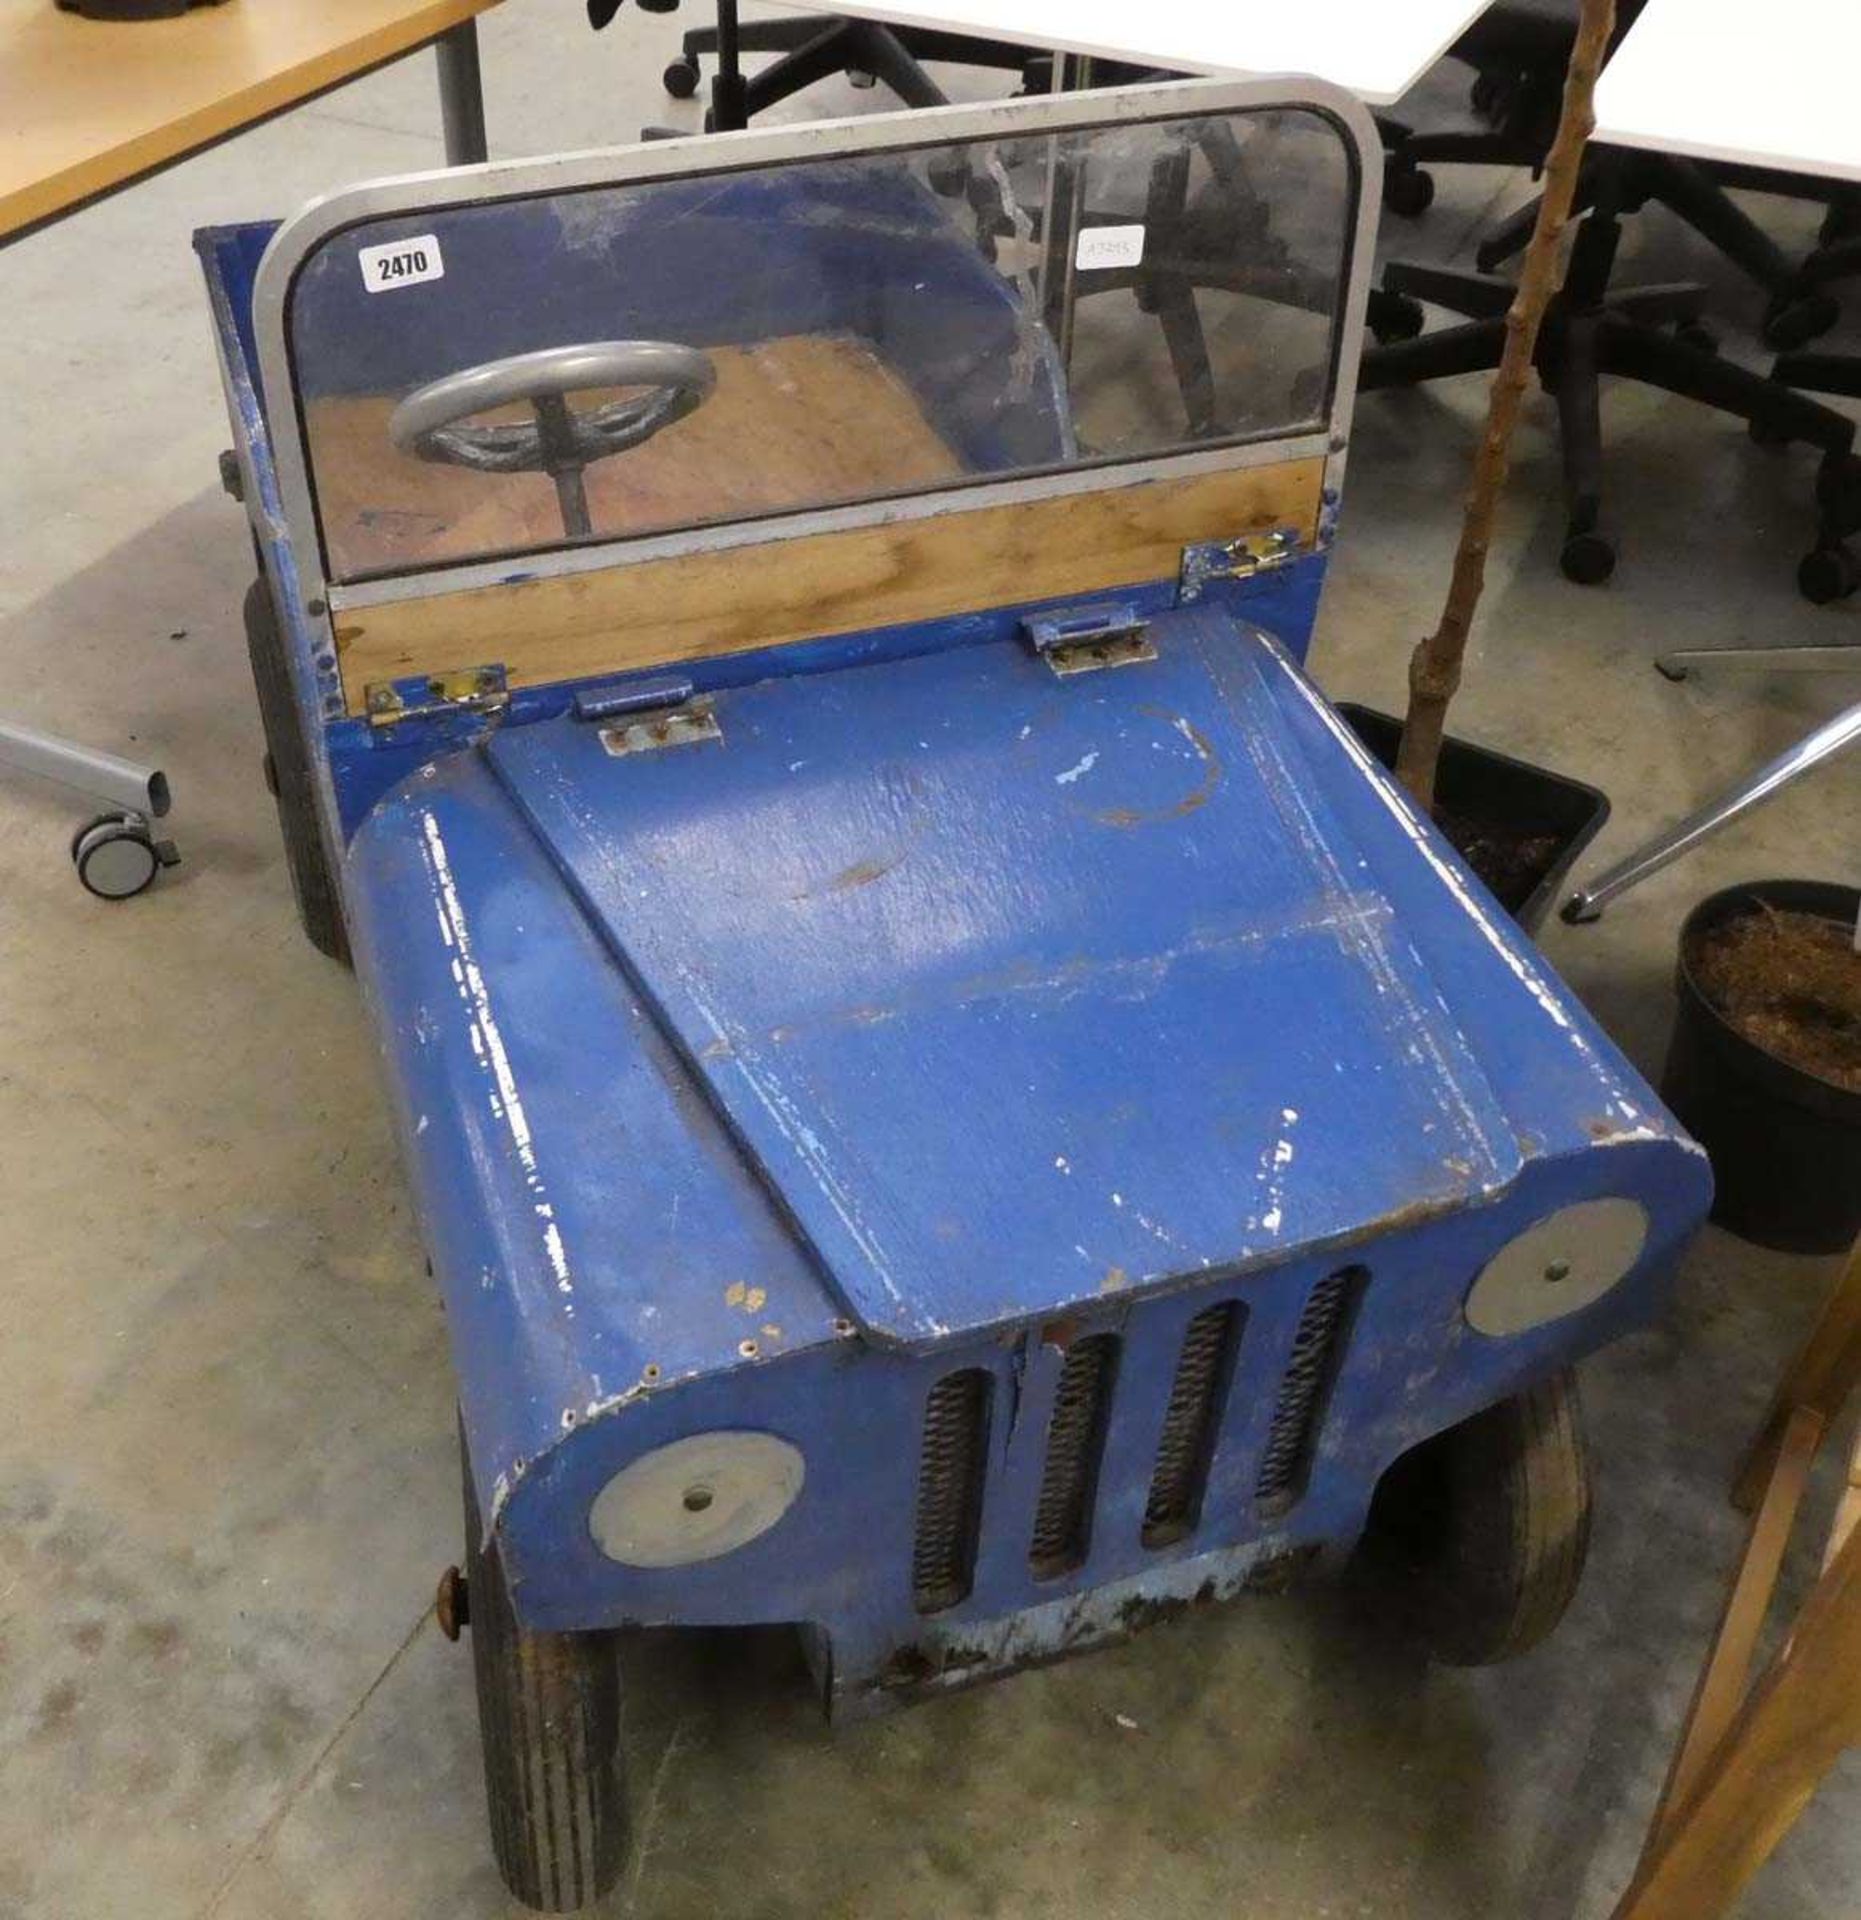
1395, 317
1793, 323
1828, 574
117, 857
1587, 558
1489, 96
948, 175
1408, 191
681, 78
1767, 433
1702, 339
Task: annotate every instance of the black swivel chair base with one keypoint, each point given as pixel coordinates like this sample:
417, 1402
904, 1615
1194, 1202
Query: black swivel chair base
1799, 308
815, 47
1651, 334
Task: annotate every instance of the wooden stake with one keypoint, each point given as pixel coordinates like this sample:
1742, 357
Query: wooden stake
1801, 1717
1434, 668
1726, 1676
1820, 1378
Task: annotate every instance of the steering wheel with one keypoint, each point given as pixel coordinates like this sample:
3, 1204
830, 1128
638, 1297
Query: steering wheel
559, 442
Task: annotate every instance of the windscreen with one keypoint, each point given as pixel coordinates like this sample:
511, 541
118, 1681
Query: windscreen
510, 376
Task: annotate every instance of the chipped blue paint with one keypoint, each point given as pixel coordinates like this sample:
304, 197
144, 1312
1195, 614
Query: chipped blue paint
1100, 918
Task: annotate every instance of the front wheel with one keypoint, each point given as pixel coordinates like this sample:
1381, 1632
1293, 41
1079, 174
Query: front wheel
549, 1719
1482, 1531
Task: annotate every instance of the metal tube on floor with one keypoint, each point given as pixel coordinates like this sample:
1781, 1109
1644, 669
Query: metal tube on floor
105, 776
1828, 739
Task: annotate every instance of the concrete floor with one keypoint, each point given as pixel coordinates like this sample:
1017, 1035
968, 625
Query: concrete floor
226, 1449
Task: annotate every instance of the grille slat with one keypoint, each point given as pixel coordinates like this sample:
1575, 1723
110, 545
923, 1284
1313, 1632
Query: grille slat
1317, 1350
1191, 1421
1075, 1445
951, 1468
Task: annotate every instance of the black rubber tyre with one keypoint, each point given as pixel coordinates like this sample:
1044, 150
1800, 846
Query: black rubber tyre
1408, 191
1394, 317
1483, 1530
948, 174
680, 79
1793, 323
549, 1722
1588, 559
1828, 574
288, 775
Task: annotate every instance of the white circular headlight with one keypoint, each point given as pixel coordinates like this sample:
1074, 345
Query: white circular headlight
696, 1498
1565, 1261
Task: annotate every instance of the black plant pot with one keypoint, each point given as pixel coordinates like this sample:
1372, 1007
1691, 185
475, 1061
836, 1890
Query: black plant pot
1785, 1145
1475, 782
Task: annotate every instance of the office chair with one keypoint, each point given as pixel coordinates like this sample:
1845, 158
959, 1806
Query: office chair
1652, 334
815, 47
1518, 50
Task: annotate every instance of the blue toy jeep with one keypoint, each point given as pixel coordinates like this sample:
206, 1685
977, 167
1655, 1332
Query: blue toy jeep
950, 1101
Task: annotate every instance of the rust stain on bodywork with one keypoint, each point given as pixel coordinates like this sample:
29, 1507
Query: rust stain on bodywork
1197, 796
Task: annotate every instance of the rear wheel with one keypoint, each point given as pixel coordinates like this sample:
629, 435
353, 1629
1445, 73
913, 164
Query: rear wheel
549, 1719
1483, 1530
292, 781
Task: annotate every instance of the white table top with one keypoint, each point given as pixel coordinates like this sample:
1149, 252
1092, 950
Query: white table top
1778, 85
1376, 49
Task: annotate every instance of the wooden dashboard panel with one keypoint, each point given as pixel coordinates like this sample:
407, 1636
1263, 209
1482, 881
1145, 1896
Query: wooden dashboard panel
654, 612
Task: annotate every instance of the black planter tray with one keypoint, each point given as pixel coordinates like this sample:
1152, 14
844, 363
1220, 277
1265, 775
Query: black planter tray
1475, 782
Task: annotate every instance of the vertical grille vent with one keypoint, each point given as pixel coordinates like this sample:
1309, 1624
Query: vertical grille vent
1317, 1349
1198, 1394
951, 1468
1075, 1442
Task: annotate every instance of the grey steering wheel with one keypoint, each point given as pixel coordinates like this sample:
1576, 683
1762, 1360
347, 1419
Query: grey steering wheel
559, 441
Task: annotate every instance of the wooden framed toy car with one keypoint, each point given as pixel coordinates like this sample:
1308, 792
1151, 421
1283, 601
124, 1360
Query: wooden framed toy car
950, 1102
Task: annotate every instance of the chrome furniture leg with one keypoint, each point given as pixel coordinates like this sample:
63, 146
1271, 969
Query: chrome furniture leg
1841, 659
1829, 739
103, 776
117, 855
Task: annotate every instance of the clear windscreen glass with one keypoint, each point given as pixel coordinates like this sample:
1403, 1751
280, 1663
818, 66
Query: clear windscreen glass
492, 380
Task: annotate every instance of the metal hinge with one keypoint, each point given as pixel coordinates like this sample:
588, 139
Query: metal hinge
436, 696
648, 715
1083, 639
1209, 560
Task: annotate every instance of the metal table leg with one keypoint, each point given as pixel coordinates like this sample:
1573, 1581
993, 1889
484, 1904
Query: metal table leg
103, 776
461, 94
1829, 739
1837, 659
117, 855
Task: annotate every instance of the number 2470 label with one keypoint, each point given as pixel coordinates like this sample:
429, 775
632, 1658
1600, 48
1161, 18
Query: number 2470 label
401, 263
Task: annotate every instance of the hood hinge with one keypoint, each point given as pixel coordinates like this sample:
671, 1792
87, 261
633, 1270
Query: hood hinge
1238, 559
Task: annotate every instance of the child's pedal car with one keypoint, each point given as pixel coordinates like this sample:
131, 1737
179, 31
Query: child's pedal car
950, 1102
